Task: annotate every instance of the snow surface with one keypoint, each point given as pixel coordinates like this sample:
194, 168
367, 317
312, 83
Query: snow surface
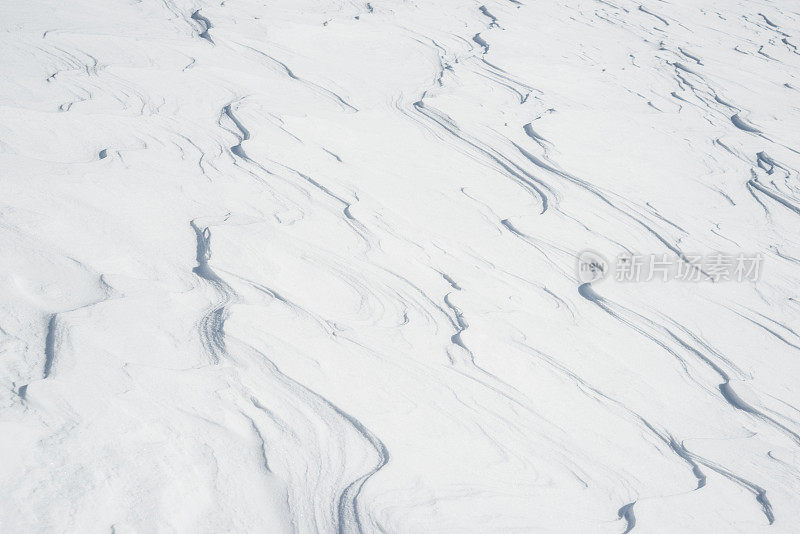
310, 266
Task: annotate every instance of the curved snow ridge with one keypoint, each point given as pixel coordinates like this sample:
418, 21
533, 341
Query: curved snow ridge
205, 26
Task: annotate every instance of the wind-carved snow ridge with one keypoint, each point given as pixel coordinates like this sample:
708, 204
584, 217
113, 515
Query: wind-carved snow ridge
212, 324
316, 267
347, 517
205, 24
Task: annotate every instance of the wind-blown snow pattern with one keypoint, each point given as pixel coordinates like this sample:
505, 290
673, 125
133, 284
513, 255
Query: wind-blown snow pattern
310, 266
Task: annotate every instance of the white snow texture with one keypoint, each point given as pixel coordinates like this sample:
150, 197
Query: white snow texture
311, 266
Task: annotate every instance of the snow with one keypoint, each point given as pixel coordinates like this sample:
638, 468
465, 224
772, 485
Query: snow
297, 266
